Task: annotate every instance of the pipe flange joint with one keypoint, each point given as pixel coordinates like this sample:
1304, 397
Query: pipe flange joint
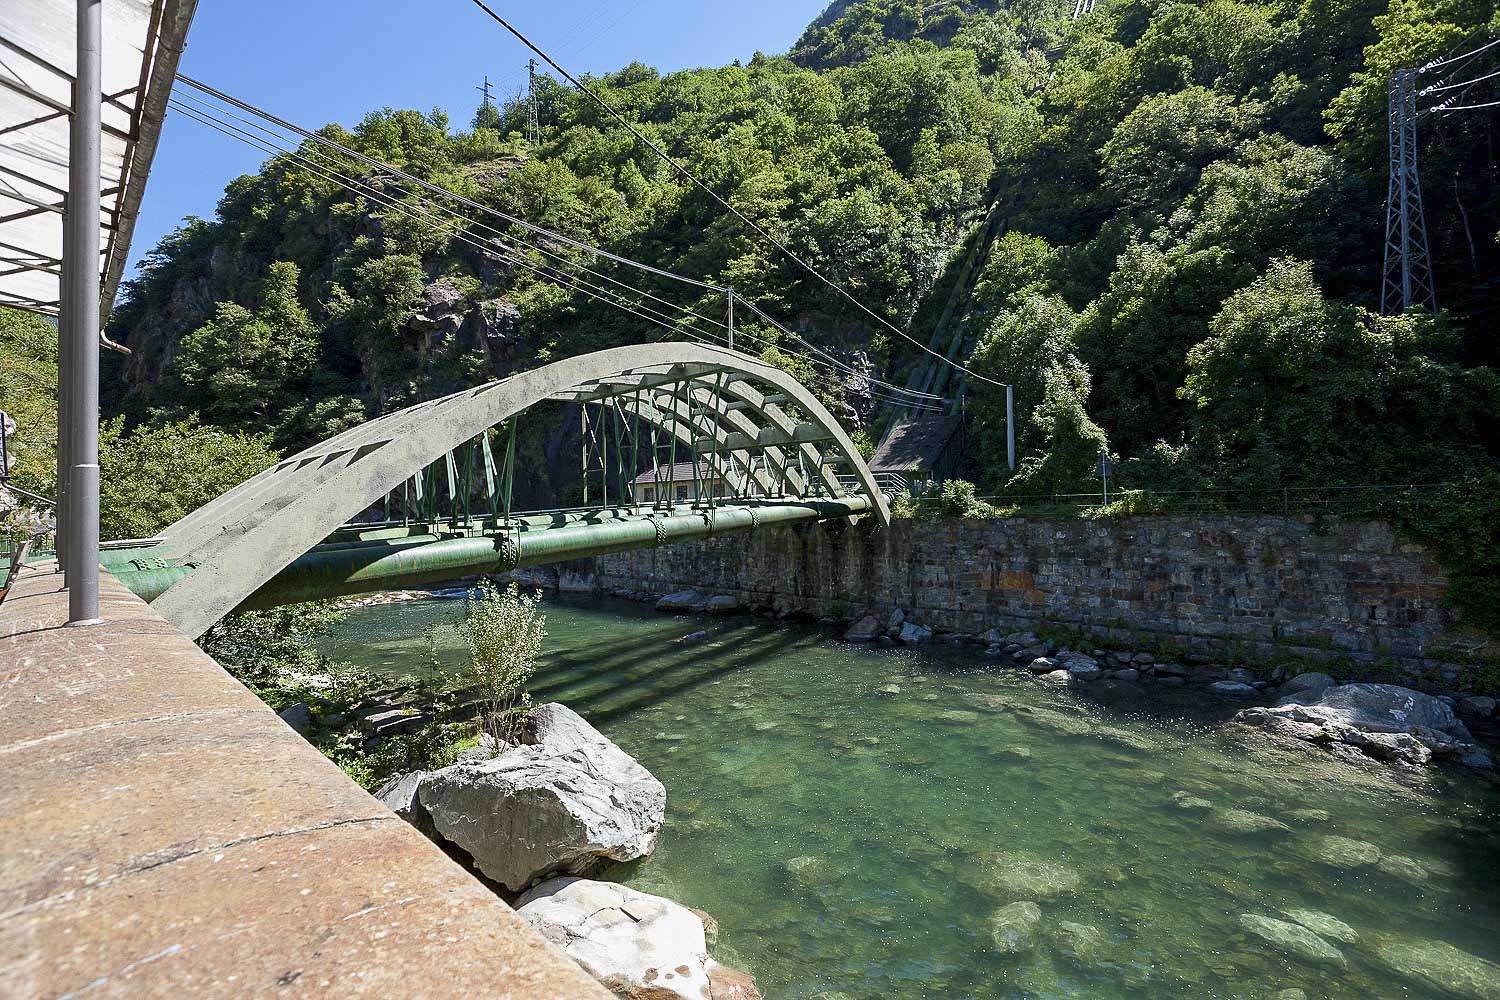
661, 530
510, 551
754, 519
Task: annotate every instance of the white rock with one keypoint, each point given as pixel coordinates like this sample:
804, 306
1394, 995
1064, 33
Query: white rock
631, 941
566, 803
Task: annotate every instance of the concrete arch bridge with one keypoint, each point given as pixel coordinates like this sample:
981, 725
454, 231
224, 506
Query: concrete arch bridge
680, 441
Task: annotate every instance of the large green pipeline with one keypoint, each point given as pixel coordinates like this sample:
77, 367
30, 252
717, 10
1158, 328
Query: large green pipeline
344, 569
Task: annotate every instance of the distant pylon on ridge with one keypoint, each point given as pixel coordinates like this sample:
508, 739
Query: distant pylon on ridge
1407, 279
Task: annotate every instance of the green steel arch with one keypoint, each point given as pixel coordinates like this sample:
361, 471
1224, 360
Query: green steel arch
752, 421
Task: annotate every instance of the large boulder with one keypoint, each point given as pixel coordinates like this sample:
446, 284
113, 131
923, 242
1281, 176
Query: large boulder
1381, 721
1310, 681
683, 600
640, 946
567, 801
867, 629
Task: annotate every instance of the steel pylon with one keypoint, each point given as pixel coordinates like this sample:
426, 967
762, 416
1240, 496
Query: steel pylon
1407, 278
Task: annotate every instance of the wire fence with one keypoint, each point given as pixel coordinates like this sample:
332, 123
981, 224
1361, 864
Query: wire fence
1344, 501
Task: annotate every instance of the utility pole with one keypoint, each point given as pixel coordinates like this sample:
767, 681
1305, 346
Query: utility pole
78, 523
485, 90
533, 115
1407, 277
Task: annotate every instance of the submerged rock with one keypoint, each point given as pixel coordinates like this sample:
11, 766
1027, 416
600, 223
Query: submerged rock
1016, 875
1324, 925
1341, 852
1244, 821
1188, 801
565, 803
1416, 871
1013, 929
1083, 943
636, 944
1294, 939
864, 630
1440, 967
809, 871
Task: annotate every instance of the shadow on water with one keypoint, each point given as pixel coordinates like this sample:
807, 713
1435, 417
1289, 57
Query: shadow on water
855, 817
604, 689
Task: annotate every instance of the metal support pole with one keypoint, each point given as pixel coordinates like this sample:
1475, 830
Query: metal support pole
83, 260
1010, 426
731, 319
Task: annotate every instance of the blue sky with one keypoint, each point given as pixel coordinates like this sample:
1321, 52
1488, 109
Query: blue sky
319, 61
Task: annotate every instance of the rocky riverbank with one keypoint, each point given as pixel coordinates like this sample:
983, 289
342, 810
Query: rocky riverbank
1383, 722
567, 802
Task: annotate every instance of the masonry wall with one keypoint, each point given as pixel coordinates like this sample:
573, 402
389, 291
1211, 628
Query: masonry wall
1250, 584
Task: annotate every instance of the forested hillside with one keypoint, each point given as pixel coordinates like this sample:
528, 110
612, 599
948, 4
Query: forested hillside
1187, 256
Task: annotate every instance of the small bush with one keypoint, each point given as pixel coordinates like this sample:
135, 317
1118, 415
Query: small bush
504, 633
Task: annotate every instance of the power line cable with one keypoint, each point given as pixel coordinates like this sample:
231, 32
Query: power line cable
455, 227
1455, 60
754, 226
443, 192
671, 324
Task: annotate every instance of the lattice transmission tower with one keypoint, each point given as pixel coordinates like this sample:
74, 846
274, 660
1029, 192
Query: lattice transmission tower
1408, 265
533, 115
1082, 7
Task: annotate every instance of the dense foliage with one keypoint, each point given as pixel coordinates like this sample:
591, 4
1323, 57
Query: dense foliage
1184, 271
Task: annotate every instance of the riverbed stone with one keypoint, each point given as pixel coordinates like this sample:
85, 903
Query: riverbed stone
913, 634
1233, 689
1085, 670
1014, 928
638, 945
722, 604
864, 630
568, 802
1189, 802
1312, 680
1246, 822
810, 871
1294, 939
682, 600
1015, 874
1347, 854
1082, 943
1440, 967
1413, 870
1324, 925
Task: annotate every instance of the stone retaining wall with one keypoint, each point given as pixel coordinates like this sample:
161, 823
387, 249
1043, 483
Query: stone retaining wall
1215, 586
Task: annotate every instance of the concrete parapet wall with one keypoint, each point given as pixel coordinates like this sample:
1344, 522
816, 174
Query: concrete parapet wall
162, 832
1260, 584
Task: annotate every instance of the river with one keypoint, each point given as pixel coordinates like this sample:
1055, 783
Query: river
855, 817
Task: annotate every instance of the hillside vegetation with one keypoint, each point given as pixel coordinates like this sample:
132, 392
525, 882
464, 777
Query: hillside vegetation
1188, 250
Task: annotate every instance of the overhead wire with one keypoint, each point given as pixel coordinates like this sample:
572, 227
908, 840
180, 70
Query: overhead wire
752, 224
457, 225
1451, 60
508, 254
539, 230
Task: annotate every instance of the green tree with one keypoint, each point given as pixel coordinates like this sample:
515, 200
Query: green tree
239, 369
1291, 389
154, 475
28, 392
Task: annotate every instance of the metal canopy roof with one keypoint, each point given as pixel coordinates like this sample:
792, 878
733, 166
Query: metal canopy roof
142, 40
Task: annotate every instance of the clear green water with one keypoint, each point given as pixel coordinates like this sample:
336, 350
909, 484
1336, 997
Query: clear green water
776, 744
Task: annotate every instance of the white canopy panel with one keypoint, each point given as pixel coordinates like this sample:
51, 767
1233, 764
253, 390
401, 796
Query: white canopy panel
142, 40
